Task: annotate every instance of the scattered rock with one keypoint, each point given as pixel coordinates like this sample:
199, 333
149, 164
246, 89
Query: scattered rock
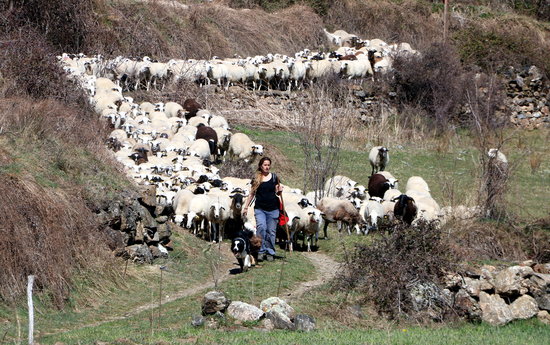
466, 306
244, 311
509, 280
214, 301
544, 317
140, 254
494, 310
277, 305
524, 307
304, 323
197, 321
279, 320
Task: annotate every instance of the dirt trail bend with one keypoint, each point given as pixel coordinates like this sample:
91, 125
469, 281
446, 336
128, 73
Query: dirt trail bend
326, 270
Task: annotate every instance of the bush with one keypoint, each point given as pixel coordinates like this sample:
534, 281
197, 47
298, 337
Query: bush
496, 44
434, 81
394, 266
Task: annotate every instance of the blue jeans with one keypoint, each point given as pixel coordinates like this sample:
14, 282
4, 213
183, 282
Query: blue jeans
266, 228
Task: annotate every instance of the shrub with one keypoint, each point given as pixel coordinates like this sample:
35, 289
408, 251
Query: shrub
390, 269
434, 81
496, 44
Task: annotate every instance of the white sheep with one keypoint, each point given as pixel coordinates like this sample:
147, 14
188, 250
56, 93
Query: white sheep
217, 121
180, 204
196, 217
417, 183
242, 147
356, 69
336, 210
379, 158
371, 211
200, 148
339, 186
173, 109
309, 222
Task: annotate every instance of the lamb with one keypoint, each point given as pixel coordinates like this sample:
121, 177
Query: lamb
242, 147
498, 164
371, 211
309, 222
335, 210
379, 158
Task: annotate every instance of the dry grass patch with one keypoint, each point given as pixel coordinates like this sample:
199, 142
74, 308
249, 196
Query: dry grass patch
47, 233
203, 30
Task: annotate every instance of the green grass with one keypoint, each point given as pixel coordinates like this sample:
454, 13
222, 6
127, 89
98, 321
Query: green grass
452, 175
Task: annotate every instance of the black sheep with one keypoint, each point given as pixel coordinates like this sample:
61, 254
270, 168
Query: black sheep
405, 208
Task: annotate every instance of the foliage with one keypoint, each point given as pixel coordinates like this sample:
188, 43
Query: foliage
321, 128
433, 81
496, 44
399, 262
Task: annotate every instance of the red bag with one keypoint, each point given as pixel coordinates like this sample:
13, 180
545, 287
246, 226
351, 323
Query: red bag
283, 218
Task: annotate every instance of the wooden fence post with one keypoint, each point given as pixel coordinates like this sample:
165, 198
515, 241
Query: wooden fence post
31, 309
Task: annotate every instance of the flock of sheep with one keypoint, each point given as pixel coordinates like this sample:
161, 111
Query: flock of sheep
355, 58
176, 147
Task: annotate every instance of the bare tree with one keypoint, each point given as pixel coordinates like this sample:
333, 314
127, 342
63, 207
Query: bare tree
322, 121
488, 129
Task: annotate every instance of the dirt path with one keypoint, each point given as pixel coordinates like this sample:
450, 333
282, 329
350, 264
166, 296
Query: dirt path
325, 266
326, 270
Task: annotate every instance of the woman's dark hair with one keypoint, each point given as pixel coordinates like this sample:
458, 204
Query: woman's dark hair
261, 162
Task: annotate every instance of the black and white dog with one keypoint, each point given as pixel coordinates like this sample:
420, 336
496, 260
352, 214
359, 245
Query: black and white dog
240, 246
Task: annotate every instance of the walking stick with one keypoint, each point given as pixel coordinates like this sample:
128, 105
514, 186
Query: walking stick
287, 245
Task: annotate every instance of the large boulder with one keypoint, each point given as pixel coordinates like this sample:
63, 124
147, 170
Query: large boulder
494, 310
213, 302
244, 311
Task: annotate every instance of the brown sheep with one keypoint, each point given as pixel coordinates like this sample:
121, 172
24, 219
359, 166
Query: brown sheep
378, 185
335, 210
210, 135
191, 106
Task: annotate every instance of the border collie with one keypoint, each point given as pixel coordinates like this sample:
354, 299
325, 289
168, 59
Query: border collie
240, 246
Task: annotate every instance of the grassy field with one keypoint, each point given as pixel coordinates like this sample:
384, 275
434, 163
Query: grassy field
111, 312
451, 173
